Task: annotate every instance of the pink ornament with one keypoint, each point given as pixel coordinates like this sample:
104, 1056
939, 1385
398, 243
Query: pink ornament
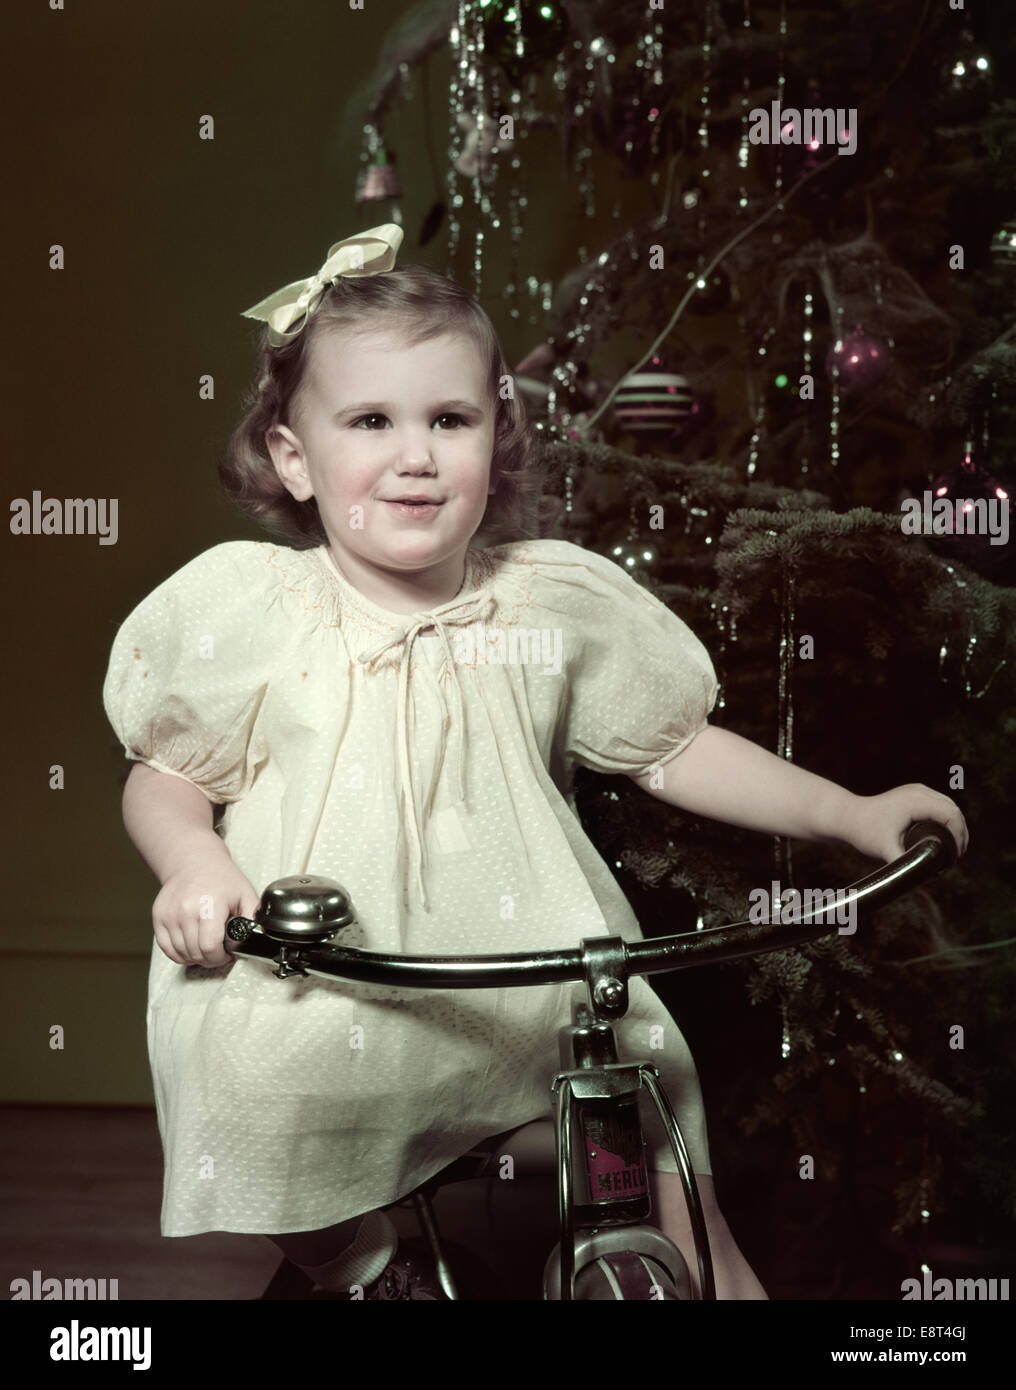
968, 507
861, 359
380, 182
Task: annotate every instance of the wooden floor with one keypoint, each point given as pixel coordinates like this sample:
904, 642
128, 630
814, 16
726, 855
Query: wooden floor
83, 1193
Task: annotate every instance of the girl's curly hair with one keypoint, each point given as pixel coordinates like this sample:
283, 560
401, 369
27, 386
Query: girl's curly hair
421, 304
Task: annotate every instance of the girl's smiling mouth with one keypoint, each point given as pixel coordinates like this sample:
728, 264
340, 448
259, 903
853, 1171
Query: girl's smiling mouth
417, 507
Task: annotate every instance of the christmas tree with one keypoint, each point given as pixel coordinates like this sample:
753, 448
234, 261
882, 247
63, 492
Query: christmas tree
775, 382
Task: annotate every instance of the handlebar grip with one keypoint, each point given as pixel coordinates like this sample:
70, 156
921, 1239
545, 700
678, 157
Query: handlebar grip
932, 830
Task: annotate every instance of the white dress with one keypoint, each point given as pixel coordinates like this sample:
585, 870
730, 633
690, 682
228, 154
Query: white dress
258, 673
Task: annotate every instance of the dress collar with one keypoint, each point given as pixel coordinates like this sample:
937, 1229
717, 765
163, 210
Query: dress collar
478, 574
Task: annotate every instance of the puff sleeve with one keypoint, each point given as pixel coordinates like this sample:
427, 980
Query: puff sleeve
189, 670
640, 684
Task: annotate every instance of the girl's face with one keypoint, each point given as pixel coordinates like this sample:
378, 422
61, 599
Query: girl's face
377, 422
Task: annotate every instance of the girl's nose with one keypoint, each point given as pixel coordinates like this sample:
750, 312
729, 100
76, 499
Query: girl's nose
414, 451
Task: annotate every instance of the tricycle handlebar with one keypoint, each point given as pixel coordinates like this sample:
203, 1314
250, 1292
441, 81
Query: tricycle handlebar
298, 916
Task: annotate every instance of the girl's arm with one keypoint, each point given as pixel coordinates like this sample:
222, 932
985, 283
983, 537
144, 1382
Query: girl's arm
728, 778
170, 822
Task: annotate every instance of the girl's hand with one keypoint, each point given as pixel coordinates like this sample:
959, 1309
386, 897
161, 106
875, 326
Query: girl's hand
876, 824
190, 913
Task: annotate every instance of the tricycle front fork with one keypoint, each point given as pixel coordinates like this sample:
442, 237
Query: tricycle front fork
599, 1077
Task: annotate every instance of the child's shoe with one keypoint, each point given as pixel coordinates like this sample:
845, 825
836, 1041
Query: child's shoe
410, 1275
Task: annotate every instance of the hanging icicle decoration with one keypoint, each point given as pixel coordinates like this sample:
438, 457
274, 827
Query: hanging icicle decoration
760, 414
985, 441
744, 147
552, 430
984, 688
633, 516
467, 97
925, 1197
785, 1041
705, 99
890, 341
970, 646
456, 104
474, 86
806, 369
650, 45
649, 60
782, 855
834, 410
965, 673
756, 435
781, 83
703, 135
595, 53
785, 745
724, 628
516, 198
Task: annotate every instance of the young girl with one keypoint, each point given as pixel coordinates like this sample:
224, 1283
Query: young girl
361, 705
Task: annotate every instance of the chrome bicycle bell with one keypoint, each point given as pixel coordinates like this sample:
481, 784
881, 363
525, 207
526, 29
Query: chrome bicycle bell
303, 909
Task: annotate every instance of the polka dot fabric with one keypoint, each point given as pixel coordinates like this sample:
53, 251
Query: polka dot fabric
329, 728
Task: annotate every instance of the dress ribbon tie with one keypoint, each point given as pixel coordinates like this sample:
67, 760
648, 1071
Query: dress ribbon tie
469, 609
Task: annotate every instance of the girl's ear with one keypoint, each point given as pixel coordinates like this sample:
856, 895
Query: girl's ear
288, 460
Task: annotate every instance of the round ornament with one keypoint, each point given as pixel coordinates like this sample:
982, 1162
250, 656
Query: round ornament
654, 402
966, 516
379, 181
862, 360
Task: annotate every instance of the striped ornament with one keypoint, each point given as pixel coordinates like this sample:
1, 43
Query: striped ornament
653, 402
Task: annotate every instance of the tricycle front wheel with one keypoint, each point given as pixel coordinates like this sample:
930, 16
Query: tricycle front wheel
627, 1275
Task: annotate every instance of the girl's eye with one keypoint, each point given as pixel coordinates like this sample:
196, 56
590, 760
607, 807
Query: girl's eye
446, 416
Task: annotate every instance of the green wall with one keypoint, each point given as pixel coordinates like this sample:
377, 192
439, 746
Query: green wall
166, 238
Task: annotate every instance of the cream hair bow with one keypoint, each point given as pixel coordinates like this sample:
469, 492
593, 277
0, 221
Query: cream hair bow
287, 310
